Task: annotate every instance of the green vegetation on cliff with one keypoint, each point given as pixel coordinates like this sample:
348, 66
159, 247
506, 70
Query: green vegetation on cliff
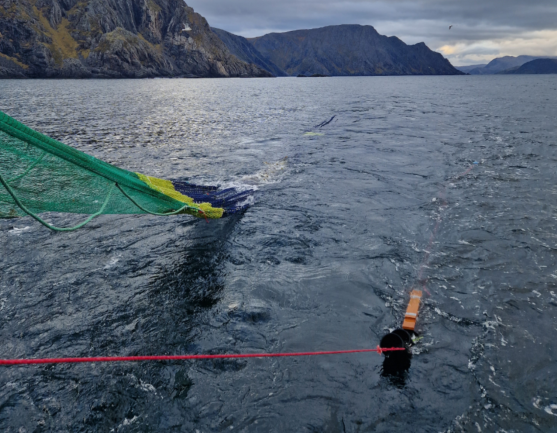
111, 38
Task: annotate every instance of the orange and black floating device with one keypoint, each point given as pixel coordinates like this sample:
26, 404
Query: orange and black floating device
396, 363
411, 314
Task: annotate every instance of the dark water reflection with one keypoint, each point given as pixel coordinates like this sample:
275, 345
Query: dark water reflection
324, 260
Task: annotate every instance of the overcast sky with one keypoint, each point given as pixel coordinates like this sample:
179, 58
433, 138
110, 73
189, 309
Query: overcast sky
482, 29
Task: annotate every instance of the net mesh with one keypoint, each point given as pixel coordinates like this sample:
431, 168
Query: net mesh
39, 174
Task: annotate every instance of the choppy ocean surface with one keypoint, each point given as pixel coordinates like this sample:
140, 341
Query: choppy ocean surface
324, 260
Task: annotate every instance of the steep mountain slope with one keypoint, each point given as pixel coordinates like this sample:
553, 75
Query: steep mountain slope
501, 64
111, 38
538, 66
241, 48
349, 50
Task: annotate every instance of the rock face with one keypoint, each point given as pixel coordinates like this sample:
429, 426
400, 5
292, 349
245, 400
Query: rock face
539, 66
349, 50
501, 64
112, 39
244, 50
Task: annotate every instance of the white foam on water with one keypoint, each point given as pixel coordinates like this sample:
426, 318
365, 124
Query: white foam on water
17, 231
112, 262
130, 421
272, 173
551, 409
147, 387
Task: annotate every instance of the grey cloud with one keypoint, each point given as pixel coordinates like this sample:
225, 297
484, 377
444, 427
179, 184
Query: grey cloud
292, 14
412, 21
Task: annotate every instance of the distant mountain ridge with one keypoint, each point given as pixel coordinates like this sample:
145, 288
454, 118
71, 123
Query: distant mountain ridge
467, 69
112, 39
501, 64
343, 50
538, 66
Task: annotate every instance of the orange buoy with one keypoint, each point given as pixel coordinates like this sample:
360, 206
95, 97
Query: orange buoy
411, 314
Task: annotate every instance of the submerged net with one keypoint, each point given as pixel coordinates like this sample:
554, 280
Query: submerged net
39, 174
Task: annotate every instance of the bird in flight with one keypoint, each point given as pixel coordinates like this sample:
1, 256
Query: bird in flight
450, 27
186, 28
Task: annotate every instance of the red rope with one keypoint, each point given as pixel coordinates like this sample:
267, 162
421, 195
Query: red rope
202, 212
181, 357
464, 173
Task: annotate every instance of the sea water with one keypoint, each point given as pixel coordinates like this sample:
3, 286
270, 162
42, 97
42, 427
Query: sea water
324, 259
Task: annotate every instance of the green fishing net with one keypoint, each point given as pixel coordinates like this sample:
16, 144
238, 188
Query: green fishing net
39, 174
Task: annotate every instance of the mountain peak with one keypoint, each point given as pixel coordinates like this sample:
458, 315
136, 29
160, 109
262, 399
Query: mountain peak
348, 49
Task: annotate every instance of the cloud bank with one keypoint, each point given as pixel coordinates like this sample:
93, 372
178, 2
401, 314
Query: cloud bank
482, 29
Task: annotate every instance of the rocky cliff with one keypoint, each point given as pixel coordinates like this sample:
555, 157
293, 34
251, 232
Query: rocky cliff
349, 50
244, 50
112, 39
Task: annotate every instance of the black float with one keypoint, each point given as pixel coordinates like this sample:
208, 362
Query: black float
397, 363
